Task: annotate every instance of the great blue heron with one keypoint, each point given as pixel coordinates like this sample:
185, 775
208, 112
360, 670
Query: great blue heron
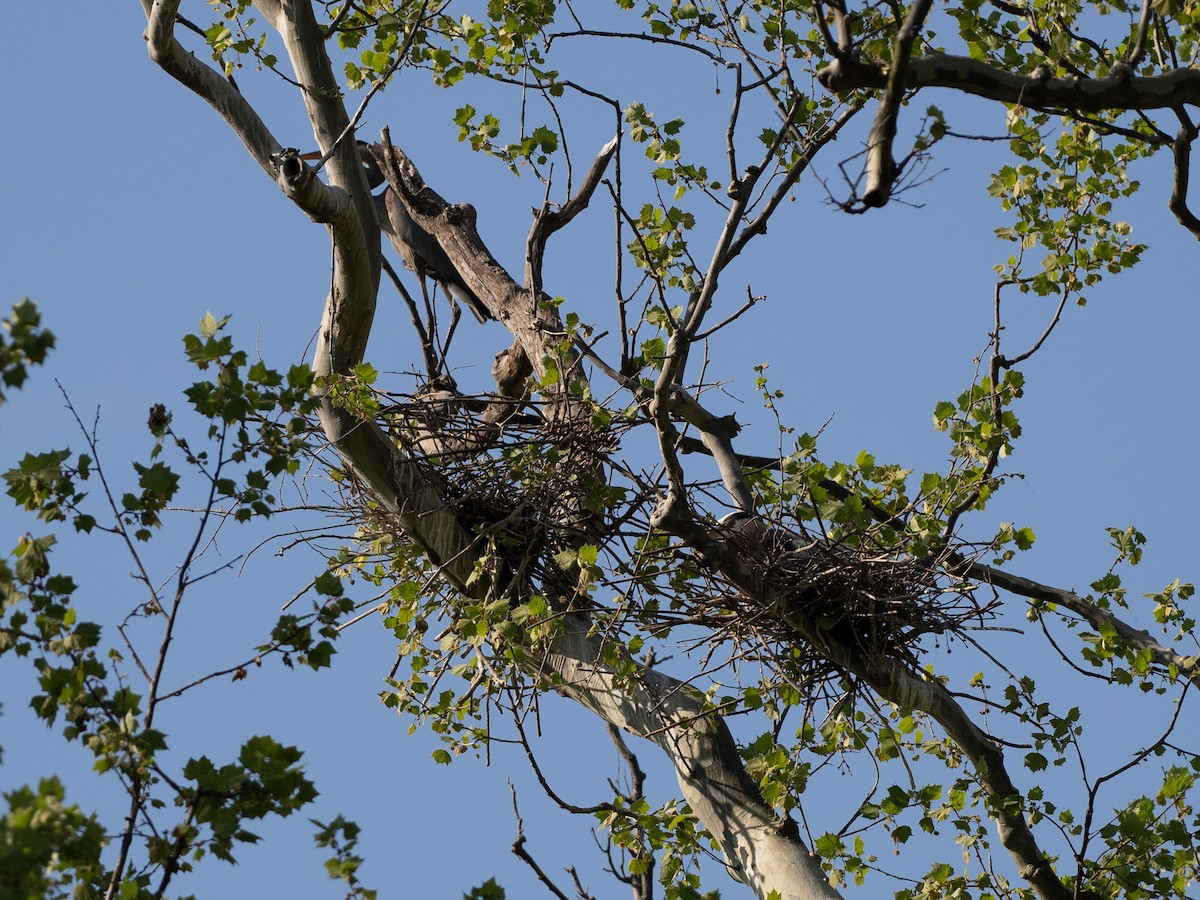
417, 247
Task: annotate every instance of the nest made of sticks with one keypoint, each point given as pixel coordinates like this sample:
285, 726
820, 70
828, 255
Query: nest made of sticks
877, 603
525, 481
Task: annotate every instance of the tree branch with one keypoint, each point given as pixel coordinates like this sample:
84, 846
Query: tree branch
1181, 152
453, 227
758, 848
881, 166
896, 683
548, 221
205, 81
960, 566
1188, 666
392, 477
973, 76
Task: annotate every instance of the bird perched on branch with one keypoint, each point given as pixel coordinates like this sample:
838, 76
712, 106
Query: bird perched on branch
417, 247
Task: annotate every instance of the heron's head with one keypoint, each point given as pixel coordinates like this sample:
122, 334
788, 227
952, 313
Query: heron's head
374, 174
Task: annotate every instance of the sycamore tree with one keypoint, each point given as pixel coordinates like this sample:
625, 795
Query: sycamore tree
588, 521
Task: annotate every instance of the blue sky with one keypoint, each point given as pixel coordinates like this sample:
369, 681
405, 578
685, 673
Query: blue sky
129, 210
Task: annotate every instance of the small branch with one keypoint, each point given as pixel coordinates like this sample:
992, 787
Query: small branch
1134, 59
1007, 363
812, 146
379, 84
545, 785
731, 128
642, 884
548, 221
171, 864
841, 21
336, 22
432, 363
751, 300
518, 849
1140, 757
1181, 151
637, 36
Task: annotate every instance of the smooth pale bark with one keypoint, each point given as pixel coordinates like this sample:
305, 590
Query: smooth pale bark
710, 772
649, 704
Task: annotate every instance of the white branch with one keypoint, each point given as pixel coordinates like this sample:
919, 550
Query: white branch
714, 781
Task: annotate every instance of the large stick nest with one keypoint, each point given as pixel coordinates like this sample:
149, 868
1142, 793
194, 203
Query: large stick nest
876, 602
527, 484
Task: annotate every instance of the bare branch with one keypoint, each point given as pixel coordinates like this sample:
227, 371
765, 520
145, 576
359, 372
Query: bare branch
881, 167
973, 76
548, 221
1181, 152
518, 849
1134, 59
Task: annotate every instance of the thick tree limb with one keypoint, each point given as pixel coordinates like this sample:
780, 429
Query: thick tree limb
649, 703
717, 434
356, 255
205, 81
1188, 666
1181, 152
396, 481
973, 76
881, 166
761, 850
454, 229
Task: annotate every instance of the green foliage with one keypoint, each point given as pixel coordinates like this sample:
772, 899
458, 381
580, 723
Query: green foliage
1062, 197
660, 246
468, 652
1151, 845
46, 845
257, 432
341, 836
266, 780
42, 484
23, 343
489, 890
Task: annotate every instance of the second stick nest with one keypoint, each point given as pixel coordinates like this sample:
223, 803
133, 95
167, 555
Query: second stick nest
875, 602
